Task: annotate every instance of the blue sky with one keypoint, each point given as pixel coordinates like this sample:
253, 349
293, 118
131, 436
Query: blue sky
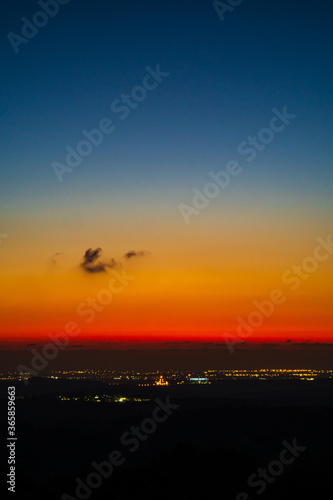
225, 78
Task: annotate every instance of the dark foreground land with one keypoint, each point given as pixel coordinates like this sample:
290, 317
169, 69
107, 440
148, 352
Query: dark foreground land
203, 443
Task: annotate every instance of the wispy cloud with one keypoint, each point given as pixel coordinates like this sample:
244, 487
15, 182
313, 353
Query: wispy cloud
133, 253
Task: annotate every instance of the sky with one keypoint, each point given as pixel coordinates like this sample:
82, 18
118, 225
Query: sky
120, 237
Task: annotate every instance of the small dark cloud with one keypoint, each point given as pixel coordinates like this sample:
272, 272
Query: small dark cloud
91, 263
288, 340
30, 345
92, 255
133, 253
